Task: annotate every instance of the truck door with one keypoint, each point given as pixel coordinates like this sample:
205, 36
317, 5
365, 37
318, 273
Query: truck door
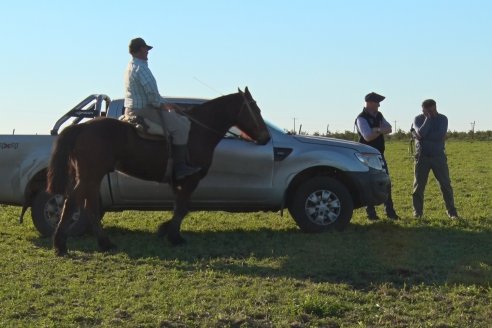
241, 175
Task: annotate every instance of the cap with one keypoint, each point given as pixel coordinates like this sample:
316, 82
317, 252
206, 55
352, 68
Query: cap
374, 97
136, 44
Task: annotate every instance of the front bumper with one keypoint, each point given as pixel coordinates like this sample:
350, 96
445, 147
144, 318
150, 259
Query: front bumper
373, 187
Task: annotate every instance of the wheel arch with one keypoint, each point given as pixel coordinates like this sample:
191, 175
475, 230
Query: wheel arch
35, 184
327, 171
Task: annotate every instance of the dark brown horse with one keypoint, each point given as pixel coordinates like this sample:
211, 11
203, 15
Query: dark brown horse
85, 153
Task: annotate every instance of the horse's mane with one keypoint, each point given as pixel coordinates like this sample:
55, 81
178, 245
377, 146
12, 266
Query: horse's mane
198, 109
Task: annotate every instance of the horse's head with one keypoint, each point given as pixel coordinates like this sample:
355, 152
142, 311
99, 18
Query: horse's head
250, 121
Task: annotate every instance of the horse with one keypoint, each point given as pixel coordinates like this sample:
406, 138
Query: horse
84, 153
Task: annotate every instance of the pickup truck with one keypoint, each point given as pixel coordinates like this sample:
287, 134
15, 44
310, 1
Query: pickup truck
319, 180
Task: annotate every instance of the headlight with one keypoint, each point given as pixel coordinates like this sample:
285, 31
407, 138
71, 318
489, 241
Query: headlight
372, 160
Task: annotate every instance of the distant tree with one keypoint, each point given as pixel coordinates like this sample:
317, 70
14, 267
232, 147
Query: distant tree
401, 135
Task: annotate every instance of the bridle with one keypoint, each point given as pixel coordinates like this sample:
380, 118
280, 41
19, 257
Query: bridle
246, 104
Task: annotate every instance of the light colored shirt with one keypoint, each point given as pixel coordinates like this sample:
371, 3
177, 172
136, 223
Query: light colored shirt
366, 130
140, 86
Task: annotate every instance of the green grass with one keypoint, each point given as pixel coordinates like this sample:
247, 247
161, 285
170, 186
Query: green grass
259, 270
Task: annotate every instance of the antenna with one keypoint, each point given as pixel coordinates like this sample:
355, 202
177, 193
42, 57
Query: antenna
208, 86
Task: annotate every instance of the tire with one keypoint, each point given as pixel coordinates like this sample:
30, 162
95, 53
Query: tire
321, 204
46, 210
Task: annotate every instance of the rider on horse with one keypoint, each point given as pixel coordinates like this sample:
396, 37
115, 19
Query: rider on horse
143, 101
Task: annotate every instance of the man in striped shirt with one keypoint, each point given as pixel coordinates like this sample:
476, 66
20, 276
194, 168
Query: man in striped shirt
142, 99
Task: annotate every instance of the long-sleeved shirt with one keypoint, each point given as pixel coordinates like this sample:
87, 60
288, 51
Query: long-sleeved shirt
140, 86
430, 134
364, 128
365, 122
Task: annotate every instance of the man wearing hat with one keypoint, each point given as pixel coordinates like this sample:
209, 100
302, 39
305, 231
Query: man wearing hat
429, 130
371, 127
142, 99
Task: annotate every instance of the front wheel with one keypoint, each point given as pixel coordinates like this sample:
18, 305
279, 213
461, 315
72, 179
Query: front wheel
46, 212
320, 204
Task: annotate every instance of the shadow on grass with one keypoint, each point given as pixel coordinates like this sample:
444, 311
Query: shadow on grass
360, 256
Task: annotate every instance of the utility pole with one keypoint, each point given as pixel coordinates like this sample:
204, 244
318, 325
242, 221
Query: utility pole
294, 124
472, 129
327, 129
395, 127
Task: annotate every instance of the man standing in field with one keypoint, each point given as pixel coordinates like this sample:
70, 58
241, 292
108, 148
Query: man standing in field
429, 130
371, 127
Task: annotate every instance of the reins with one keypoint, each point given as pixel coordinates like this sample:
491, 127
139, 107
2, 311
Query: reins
246, 104
181, 111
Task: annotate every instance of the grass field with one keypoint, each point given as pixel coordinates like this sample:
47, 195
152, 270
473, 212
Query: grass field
259, 270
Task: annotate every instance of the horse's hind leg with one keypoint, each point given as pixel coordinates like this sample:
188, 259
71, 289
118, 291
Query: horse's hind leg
60, 235
94, 216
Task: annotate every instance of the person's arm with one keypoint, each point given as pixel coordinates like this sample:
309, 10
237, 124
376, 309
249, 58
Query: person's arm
365, 130
385, 127
422, 125
442, 127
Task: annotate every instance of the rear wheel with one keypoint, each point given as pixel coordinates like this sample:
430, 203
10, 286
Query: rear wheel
320, 204
46, 211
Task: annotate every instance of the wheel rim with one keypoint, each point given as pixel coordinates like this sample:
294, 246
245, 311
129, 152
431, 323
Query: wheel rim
323, 207
53, 209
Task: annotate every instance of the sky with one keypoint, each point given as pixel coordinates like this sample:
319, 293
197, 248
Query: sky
306, 63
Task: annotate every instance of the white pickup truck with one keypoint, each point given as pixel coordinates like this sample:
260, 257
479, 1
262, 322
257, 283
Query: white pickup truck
320, 180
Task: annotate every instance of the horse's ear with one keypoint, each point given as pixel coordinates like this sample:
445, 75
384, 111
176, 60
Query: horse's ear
239, 90
246, 90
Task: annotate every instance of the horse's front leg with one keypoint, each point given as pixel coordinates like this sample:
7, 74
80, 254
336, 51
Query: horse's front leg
173, 227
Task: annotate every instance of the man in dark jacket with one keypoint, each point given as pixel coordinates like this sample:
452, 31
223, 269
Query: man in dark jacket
371, 127
429, 130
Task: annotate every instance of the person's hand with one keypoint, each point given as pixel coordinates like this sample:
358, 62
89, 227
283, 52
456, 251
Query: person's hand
426, 113
429, 112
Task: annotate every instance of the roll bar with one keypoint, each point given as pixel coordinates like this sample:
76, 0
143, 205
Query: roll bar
90, 107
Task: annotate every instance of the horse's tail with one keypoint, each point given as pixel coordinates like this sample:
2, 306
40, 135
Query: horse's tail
60, 166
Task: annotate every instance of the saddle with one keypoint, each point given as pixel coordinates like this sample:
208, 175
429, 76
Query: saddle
145, 128
149, 130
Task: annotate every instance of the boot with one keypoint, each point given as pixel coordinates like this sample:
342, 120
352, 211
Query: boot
181, 169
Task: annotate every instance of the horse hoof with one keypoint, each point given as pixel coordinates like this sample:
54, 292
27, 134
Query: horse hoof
108, 247
163, 230
61, 252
